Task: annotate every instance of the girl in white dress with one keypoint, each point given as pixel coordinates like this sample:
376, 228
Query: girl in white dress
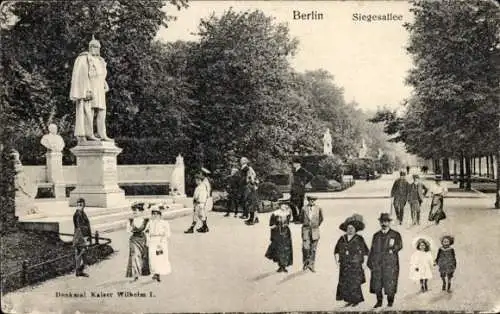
421, 263
158, 232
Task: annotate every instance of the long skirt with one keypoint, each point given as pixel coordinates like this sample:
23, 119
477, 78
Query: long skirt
138, 259
437, 213
280, 250
351, 277
160, 264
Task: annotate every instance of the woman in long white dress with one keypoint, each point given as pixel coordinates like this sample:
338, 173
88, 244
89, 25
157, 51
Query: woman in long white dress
158, 232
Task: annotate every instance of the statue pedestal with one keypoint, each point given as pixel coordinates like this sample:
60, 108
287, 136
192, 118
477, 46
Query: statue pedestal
97, 178
55, 173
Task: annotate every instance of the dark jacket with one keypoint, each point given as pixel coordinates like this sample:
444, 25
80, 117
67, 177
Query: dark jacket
81, 221
82, 228
300, 178
383, 261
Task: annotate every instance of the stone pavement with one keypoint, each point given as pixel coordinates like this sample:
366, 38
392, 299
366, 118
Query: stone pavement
226, 271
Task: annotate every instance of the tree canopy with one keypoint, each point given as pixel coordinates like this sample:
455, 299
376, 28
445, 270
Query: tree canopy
454, 110
230, 93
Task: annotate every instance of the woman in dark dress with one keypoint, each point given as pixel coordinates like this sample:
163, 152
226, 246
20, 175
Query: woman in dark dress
350, 253
138, 260
280, 250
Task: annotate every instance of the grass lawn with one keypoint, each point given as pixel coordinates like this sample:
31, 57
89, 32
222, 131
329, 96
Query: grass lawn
36, 248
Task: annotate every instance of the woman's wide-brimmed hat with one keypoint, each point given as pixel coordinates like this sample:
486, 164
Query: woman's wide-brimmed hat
205, 171
138, 206
384, 217
449, 237
155, 209
355, 220
428, 241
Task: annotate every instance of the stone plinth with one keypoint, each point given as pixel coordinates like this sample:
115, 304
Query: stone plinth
97, 179
55, 173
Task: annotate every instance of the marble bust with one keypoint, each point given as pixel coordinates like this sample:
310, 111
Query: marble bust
53, 141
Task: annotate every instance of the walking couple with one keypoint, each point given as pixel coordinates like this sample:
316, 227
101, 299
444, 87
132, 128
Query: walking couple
383, 261
148, 252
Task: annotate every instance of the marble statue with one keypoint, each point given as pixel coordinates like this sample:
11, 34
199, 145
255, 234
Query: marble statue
364, 150
88, 91
25, 190
53, 141
327, 143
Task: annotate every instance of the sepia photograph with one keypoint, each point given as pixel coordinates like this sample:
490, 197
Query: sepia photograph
213, 156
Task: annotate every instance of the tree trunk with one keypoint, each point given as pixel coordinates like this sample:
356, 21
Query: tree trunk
492, 167
462, 168
455, 175
487, 166
468, 185
473, 161
497, 201
479, 165
446, 169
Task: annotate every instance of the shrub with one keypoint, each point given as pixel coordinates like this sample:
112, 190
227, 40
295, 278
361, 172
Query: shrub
319, 183
269, 191
332, 168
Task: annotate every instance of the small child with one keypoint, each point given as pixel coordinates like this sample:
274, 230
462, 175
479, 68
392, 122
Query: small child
446, 261
421, 263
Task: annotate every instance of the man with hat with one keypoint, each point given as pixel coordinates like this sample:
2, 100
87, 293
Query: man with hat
416, 196
210, 202
82, 232
200, 198
399, 194
248, 185
383, 261
299, 180
311, 218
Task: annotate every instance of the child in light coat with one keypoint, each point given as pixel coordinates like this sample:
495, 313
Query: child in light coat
421, 264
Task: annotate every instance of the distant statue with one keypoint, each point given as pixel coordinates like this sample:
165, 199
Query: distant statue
380, 153
364, 150
53, 141
327, 143
25, 190
88, 91
177, 180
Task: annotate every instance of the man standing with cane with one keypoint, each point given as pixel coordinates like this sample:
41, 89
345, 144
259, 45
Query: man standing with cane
399, 195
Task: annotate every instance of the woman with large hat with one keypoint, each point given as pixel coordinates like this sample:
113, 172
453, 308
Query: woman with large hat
350, 252
158, 231
280, 249
138, 258
438, 192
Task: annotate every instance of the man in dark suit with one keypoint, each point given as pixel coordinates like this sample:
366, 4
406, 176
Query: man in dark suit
299, 180
82, 232
399, 193
416, 196
233, 193
383, 261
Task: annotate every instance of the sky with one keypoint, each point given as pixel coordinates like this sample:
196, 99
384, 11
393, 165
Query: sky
367, 59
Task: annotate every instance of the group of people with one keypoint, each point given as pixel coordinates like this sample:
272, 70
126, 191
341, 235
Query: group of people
404, 192
351, 252
280, 249
148, 242
242, 193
